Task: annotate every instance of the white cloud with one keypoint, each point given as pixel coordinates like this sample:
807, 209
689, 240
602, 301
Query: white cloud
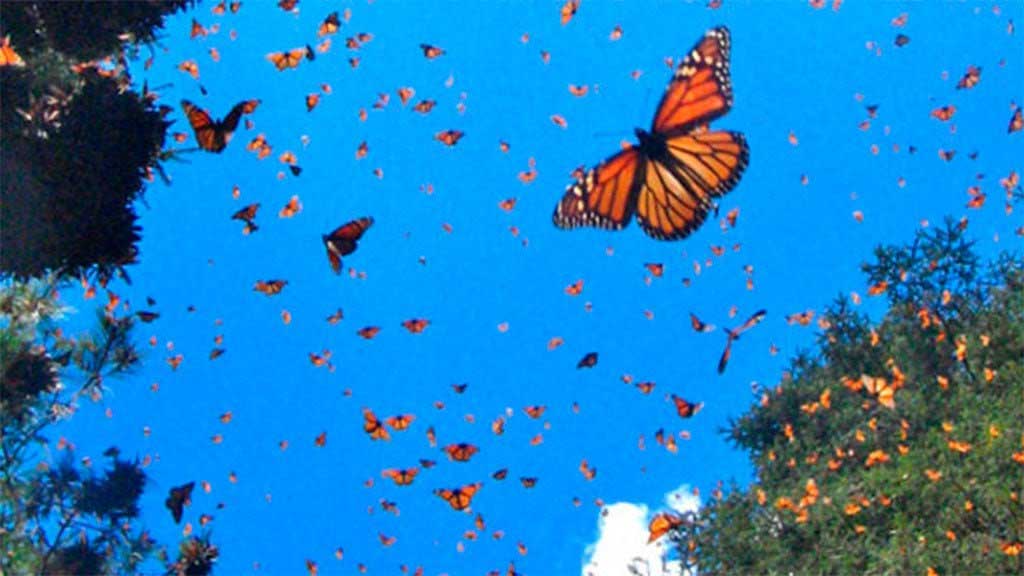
683, 500
622, 549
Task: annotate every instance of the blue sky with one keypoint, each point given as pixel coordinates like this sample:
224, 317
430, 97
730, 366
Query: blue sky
795, 70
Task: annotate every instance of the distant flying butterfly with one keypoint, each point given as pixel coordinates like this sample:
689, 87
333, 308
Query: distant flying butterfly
178, 498
270, 287
686, 409
373, 426
670, 178
734, 334
290, 59
449, 137
699, 325
461, 452
430, 52
459, 498
401, 477
344, 240
588, 361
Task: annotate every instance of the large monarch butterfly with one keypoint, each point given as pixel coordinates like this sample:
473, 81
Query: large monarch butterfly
671, 176
214, 135
344, 240
459, 498
178, 498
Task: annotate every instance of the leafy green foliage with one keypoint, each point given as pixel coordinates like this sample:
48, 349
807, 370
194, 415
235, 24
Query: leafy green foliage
59, 516
899, 448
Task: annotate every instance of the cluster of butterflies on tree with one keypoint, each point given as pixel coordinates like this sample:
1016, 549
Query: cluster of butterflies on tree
669, 180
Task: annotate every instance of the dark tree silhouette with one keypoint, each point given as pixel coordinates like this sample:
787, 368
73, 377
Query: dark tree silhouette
77, 144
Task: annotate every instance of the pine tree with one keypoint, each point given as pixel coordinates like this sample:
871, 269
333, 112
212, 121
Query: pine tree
898, 447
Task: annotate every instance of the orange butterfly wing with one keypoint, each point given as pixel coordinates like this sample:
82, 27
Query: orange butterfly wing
203, 126
675, 193
669, 179
604, 197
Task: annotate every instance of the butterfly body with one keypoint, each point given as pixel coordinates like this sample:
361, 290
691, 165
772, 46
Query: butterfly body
669, 178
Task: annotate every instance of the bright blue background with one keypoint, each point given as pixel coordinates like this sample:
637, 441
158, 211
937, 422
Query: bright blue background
793, 68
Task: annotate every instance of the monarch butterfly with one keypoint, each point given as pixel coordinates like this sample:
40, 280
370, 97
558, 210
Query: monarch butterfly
147, 316
449, 137
8, 57
459, 498
401, 477
374, 427
321, 440
424, 106
661, 524
1016, 122
944, 113
657, 269
461, 452
270, 287
699, 325
578, 91
645, 387
405, 94
290, 59
801, 318
535, 411
400, 422
970, 78
528, 481
671, 176
587, 470
178, 498
290, 209
416, 325
686, 409
569, 10
214, 135
431, 52
588, 361
330, 25
734, 334
460, 388
901, 40
368, 332
312, 100
500, 474
344, 240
